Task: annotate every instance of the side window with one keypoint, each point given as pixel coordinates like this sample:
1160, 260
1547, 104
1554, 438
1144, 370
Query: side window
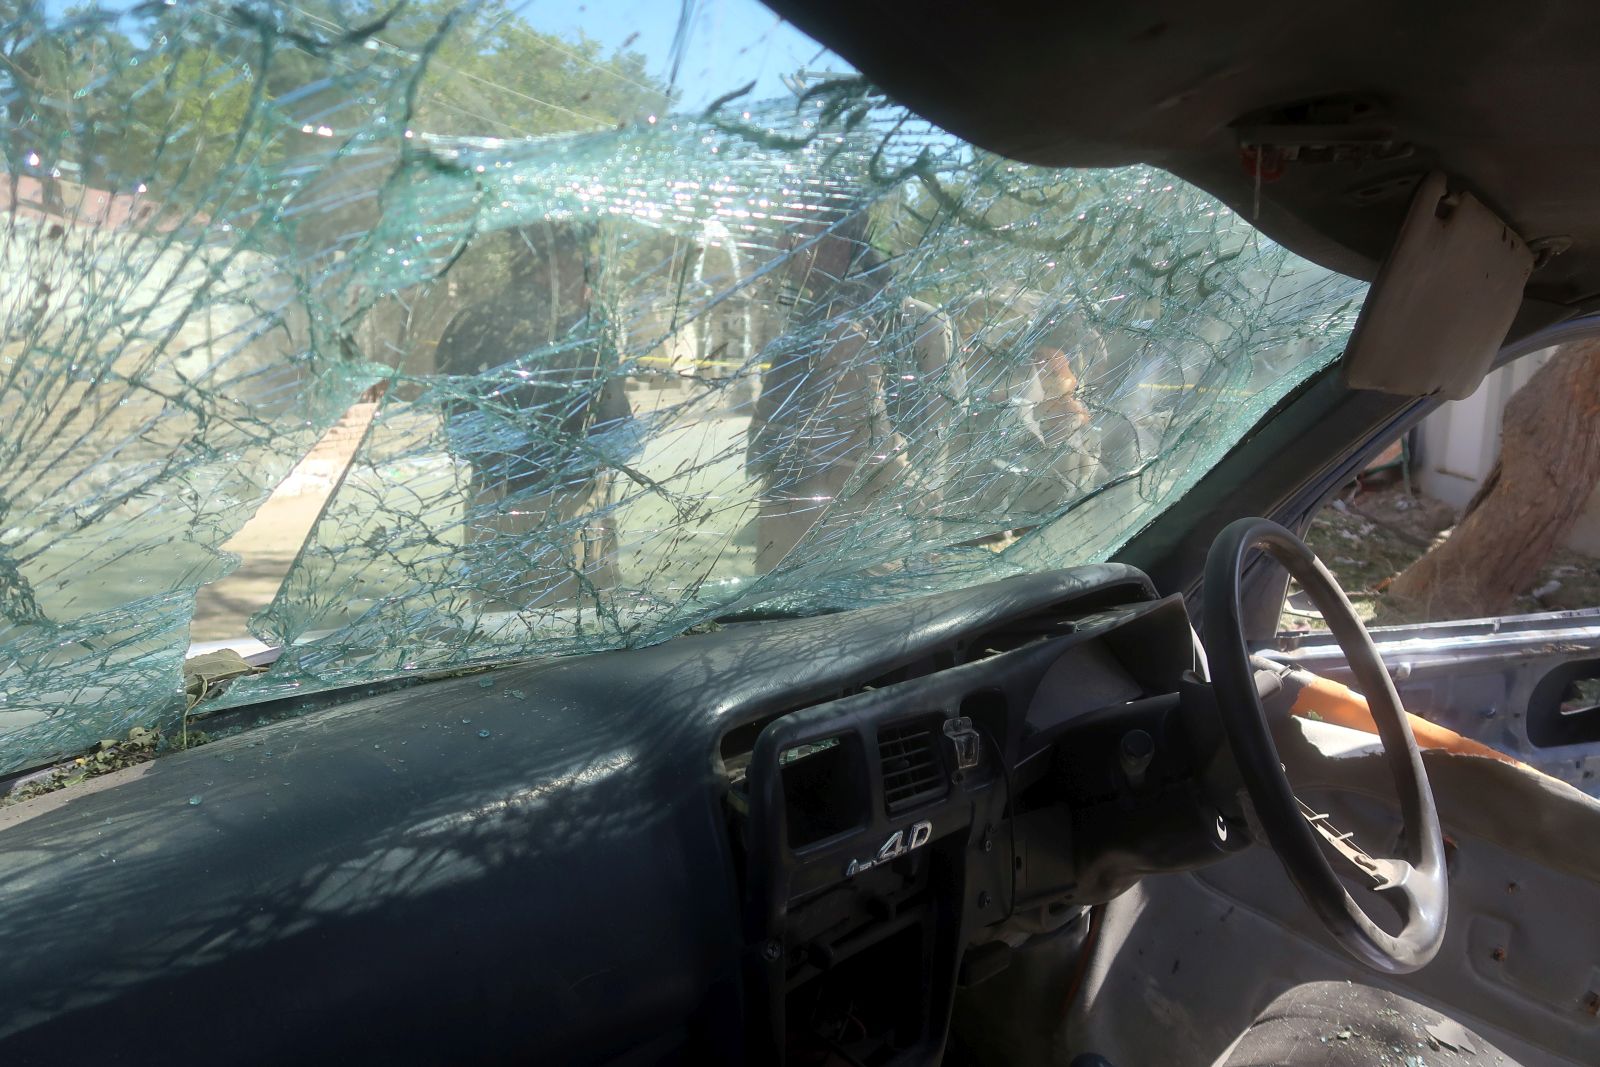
1369, 532
1472, 550
1487, 509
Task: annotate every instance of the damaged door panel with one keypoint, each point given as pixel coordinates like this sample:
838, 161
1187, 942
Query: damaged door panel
1526, 685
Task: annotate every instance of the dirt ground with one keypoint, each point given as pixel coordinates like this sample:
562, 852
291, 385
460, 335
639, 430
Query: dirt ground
1366, 536
1372, 531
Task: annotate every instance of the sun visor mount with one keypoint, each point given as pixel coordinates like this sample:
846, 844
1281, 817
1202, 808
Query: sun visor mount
1443, 301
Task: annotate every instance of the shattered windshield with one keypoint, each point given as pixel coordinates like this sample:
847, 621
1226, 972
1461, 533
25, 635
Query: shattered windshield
405, 339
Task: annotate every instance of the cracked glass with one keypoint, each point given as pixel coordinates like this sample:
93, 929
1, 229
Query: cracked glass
369, 341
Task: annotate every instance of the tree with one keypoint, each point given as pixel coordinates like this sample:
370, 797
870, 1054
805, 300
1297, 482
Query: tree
178, 94
492, 75
38, 70
1548, 467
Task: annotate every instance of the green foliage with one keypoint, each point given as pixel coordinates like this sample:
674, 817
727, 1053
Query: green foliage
490, 74
176, 94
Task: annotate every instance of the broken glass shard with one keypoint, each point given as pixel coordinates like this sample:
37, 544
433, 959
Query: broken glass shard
414, 339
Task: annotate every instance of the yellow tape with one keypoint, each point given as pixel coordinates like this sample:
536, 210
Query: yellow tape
1167, 388
668, 361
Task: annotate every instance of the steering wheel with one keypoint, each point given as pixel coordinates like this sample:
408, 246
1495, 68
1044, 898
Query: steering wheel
1415, 883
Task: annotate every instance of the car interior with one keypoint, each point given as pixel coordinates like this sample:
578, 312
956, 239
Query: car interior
1097, 814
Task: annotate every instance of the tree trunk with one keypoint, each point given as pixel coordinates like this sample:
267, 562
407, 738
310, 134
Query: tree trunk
1548, 467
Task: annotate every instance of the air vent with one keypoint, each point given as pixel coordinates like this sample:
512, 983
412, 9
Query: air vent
912, 770
824, 789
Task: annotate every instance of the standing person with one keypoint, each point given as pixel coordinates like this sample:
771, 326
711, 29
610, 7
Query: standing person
546, 379
925, 384
1027, 443
1066, 350
827, 437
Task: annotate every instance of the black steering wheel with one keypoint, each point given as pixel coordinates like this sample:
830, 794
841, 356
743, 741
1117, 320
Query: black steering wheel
1415, 883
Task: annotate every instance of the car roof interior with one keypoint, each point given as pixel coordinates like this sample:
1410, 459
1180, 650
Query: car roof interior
1362, 100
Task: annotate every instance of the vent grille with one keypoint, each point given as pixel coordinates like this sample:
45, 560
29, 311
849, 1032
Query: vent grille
912, 771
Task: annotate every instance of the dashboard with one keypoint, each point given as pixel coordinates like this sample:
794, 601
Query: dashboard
792, 841
899, 841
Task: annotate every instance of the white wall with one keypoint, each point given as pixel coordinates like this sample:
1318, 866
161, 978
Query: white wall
1457, 446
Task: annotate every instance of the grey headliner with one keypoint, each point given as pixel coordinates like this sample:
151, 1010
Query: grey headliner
1499, 97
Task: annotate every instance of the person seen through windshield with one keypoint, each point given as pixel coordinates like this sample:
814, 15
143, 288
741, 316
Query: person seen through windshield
1027, 440
856, 388
544, 383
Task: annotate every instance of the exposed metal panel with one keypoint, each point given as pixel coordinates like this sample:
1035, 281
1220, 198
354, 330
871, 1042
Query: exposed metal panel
1479, 678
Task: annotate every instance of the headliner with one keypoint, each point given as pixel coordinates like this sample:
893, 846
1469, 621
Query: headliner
1501, 98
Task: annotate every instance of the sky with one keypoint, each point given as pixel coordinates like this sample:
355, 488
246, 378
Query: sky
730, 42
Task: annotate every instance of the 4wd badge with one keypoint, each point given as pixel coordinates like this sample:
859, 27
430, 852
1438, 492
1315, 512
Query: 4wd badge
900, 842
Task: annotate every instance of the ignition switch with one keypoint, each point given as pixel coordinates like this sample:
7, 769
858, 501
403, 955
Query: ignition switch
1135, 752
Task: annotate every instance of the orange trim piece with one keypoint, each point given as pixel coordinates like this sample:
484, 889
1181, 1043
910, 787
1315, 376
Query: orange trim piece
1325, 699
